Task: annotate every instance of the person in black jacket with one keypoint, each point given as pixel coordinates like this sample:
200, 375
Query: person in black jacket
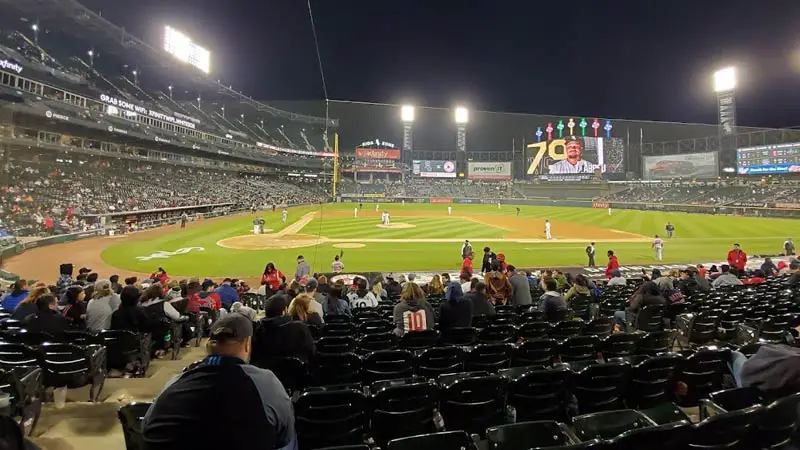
277, 335
480, 301
47, 319
130, 316
455, 311
488, 257
647, 294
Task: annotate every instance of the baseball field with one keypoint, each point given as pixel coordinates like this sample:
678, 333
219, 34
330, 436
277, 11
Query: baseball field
420, 237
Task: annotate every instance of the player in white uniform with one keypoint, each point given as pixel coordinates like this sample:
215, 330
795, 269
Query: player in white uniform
387, 217
658, 245
355, 213
449, 210
609, 210
547, 234
284, 215
377, 206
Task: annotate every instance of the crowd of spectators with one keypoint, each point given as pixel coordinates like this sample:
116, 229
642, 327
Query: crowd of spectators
734, 193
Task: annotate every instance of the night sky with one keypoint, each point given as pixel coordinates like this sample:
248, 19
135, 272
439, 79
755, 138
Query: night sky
633, 59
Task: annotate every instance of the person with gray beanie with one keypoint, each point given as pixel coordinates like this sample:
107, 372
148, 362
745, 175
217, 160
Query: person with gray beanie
102, 305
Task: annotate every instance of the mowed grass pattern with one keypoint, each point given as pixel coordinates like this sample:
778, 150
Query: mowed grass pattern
698, 237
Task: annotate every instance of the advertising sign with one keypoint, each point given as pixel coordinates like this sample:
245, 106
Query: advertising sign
434, 169
377, 153
489, 170
576, 155
693, 165
768, 159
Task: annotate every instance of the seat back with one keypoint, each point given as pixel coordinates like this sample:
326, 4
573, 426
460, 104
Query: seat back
336, 344
458, 336
580, 306
533, 330
537, 352
778, 423
377, 341
338, 329
12, 354
702, 372
66, 365
130, 418
566, 328
526, 435
32, 338
773, 329
387, 365
663, 437
123, 347
599, 387
737, 398
403, 408
489, 357
440, 360
419, 340
650, 318
600, 327
653, 380
538, 393
703, 327
447, 440
608, 424
292, 372
375, 326
497, 333
726, 430
325, 418
336, 368
474, 403
579, 348
620, 345
653, 343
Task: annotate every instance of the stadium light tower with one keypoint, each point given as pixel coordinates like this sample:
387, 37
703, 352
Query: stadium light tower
91, 57
35, 28
170, 91
407, 114
462, 118
135, 77
725, 81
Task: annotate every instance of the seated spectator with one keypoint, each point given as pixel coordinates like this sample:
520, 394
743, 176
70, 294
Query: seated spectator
239, 308
75, 310
552, 304
272, 278
130, 316
794, 279
435, 286
783, 268
155, 306
769, 268
466, 283
88, 288
362, 298
520, 287
393, 288
254, 398
688, 283
561, 280
160, 276
227, 294
481, 306
702, 282
19, 290
28, 306
310, 288
334, 304
774, 369
757, 278
101, 306
580, 288
65, 277
130, 281
455, 311
378, 291
47, 318
647, 294
300, 309
323, 286
617, 279
497, 284
209, 295
726, 278
115, 286
702, 271
412, 312
277, 335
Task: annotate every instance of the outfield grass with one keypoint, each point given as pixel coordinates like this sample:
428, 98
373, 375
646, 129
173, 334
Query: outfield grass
698, 238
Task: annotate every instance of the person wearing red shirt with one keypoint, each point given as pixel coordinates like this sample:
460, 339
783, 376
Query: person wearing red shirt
757, 278
160, 276
503, 265
737, 258
466, 266
272, 277
613, 264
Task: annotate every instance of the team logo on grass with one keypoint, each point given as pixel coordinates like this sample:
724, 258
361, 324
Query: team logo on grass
161, 254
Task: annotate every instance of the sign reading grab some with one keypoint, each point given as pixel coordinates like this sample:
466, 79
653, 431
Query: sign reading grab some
489, 171
377, 153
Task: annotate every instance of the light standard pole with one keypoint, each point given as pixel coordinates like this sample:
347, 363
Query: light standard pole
724, 85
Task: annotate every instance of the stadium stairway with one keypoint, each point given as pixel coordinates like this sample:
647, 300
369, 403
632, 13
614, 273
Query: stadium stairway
95, 426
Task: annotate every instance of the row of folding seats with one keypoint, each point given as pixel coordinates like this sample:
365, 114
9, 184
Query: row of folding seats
63, 365
23, 385
731, 325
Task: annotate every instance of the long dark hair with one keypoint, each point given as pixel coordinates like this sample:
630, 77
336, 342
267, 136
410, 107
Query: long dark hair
334, 296
269, 268
72, 294
19, 287
361, 284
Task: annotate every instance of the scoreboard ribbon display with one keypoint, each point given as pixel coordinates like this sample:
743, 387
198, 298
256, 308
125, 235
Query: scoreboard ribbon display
434, 169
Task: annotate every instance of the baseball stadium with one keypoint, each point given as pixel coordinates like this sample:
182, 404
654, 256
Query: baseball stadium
355, 276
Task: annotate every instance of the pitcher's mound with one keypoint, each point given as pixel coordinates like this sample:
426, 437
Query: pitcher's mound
349, 245
270, 241
397, 226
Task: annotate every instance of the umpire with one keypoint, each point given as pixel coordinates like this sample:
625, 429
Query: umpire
590, 250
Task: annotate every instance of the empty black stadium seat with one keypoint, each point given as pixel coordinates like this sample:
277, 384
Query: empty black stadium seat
24, 385
80, 337
536, 352
130, 418
579, 348
458, 336
402, 408
31, 338
336, 368
447, 440
375, 326
662, 437
620, 345
496, 333
609, 424
291, 371
533, 330
127, 351
12, 355
600, 387
72, 366
699, 328
11, 434
473, 403
419, 340
580, 306
773, 330
653, 343
726, 430
489, 357
325, 418
702, 373
566, 328
338, 329
653, 380
527, 435
538, 393
336, 344
387, 365
600, 327
439, 361
377, 341
650, 318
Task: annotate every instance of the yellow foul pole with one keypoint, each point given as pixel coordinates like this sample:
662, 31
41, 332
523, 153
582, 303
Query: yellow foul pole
335, 162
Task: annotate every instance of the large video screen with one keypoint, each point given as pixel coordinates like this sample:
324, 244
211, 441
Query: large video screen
576, 156
768, 159
693, 165
434, 169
